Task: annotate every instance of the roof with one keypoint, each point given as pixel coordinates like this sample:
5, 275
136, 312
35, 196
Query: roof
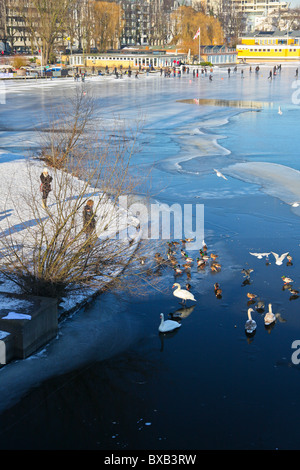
274, 34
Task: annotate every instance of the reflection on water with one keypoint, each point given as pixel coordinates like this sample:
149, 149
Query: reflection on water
228, 103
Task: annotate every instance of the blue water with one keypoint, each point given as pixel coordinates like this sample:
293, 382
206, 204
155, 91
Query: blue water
110, 381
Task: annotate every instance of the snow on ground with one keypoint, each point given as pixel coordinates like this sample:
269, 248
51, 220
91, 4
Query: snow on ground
19, 181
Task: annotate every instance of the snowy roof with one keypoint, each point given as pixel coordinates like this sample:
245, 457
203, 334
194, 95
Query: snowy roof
276, 33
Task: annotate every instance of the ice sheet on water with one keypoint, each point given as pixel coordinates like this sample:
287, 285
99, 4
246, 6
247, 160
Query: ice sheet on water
277, 180
3, 334
16, 316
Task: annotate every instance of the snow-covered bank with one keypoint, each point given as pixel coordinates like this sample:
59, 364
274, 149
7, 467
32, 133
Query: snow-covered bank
19, 181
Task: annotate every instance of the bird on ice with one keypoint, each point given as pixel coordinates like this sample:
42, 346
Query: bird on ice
287, 280
295, 204
259, 255
247, 272
220, 174
182, 293
279, 110
279, 259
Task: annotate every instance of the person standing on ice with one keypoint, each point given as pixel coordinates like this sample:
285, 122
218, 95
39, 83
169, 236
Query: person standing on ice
46, 180
89, 218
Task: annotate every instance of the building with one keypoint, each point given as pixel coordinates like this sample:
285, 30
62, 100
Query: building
146, 22
134, 59
263, 46
219, 55
259, 7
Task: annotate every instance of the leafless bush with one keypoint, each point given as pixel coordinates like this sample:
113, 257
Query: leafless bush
51, 252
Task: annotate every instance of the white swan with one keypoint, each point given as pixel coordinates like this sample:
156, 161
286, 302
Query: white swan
279, 259
250, 325
279, 110
269, 316
168, 325
182, 293
220, 174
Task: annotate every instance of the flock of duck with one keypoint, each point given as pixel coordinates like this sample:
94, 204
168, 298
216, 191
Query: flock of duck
203, 260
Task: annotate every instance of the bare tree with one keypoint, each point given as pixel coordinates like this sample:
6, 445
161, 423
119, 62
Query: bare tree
46, 22
57, 253
231, 19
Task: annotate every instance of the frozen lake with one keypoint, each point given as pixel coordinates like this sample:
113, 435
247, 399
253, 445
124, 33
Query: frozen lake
109, 381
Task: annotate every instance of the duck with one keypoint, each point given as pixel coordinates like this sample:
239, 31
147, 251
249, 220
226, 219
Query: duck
250, 325
183, 253
200, 262
247, 272
287, 280
188, 286
260, 306
213, 256
188, 259
218, 290
167, 325
177, 270
251, 296
215, 267
158, 258
293, 291
182, 293
269, 316
187, 266
189, 240
172, 259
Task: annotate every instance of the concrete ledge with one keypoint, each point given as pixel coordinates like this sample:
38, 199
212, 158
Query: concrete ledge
31, 327
6, 348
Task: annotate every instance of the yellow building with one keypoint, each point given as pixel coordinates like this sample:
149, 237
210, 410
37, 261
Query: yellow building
263, 46
133, 59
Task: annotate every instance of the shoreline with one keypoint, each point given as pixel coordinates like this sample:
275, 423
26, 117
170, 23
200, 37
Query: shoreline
11, 295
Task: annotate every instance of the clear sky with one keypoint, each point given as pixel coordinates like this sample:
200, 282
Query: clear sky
295, 3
